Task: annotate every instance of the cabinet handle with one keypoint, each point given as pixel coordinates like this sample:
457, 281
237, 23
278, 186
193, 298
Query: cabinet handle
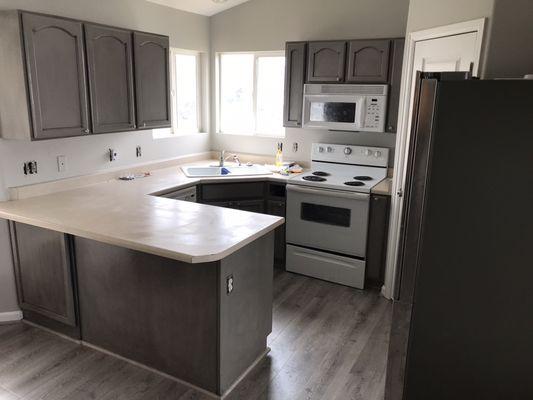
144, 125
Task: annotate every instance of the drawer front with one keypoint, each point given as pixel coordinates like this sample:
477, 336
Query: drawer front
329, 267
233, 191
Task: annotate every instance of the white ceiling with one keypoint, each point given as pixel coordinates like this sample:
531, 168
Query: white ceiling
204, 7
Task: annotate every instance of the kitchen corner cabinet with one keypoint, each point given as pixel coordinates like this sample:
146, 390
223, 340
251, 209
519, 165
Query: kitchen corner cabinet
295, 67
368, 61
378, 230
152, 80
259, 197
110, 71
326, 61
68, 78
45, 276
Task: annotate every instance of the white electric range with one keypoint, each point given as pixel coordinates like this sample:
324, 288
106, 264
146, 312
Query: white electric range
327, 212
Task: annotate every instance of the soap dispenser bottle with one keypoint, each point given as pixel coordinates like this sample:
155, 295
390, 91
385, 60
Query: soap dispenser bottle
279, 155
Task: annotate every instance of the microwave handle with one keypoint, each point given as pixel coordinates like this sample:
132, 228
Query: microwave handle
361, 111
332, 193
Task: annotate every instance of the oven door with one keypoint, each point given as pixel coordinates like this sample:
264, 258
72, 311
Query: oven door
341, 112
330, 220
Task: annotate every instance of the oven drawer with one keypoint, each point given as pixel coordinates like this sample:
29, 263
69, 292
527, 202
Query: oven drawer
329, 267
330, 220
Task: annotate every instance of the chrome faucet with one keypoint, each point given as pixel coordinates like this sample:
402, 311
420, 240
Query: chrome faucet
223, 158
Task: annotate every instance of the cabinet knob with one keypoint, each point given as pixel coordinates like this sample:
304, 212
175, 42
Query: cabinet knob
86, 130
144, 125
338, 79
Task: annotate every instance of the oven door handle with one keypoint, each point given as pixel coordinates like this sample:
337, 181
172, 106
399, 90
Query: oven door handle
327, 192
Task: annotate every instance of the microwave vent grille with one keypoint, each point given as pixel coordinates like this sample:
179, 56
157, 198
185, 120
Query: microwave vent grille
376, 90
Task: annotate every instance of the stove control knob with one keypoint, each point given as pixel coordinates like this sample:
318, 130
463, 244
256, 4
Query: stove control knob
320, 149
368, 152
329, 149
377, 154
347, 151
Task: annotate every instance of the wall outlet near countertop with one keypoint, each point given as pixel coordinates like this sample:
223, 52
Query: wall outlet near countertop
229, 284
138, 151
61, 163
30, 167
113, 155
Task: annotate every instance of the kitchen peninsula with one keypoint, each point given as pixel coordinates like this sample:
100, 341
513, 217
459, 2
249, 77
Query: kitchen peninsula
183, 288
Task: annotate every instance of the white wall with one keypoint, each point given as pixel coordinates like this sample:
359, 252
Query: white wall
88, 154
264, 25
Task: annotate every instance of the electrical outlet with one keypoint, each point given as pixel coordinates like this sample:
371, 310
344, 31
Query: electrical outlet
30, 167
295, 147
61, 163
229, 284
138, 151
113, 155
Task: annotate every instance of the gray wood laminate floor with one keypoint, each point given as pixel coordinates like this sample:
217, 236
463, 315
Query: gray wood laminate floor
328, 342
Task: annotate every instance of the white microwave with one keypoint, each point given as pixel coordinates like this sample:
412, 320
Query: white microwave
345, 107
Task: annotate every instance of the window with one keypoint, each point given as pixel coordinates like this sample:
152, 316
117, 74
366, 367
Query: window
250, 93
185, 93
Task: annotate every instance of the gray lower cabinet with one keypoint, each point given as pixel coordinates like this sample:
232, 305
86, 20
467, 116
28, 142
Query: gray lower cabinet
277, 208
110, 69
295, 67
45, 277
152, 80
326, 61
55, 64
378, 230
368, 61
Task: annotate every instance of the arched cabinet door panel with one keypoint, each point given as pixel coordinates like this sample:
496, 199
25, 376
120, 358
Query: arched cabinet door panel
55, 63
110, 67
368, 61
152, 80
326, 61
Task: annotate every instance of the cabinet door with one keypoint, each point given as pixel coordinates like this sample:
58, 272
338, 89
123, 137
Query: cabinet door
257, 206
295, 61
326, 61
368, 61
377, 240
44, 272
396, 64
110, 67
55, 60
152, 80
277, 208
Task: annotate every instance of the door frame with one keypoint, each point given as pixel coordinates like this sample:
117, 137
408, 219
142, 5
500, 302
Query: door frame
403, 134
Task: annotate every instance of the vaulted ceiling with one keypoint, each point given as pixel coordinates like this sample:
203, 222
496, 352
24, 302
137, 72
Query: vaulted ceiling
204, 7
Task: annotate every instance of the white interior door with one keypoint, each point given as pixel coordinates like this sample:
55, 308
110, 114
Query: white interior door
454, 47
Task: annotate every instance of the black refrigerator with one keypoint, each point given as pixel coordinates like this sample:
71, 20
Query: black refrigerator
463, 312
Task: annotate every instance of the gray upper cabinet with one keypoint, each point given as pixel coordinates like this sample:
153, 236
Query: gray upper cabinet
368, 61
152, 78
71, 78
326, 61
44, 274
295, 63
55, 61
395, 77
110, 69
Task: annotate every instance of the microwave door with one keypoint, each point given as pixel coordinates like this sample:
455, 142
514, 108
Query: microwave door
332, 112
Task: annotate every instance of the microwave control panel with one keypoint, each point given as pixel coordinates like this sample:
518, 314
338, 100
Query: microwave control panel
374, 119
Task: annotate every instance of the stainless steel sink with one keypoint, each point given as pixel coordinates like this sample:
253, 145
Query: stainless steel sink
237, 170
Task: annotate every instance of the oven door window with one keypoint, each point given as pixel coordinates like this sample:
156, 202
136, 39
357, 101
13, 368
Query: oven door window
326, 214
332, 112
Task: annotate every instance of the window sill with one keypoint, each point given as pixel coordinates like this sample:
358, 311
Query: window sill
168, 133
253, 135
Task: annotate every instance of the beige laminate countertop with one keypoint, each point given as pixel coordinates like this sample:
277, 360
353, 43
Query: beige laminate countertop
123, 213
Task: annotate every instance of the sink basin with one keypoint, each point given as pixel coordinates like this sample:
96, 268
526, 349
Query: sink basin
242, 170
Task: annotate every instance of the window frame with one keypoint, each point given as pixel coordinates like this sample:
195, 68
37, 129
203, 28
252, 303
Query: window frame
218, 95
174, 130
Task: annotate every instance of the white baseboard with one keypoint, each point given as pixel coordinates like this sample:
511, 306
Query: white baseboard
11, 316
